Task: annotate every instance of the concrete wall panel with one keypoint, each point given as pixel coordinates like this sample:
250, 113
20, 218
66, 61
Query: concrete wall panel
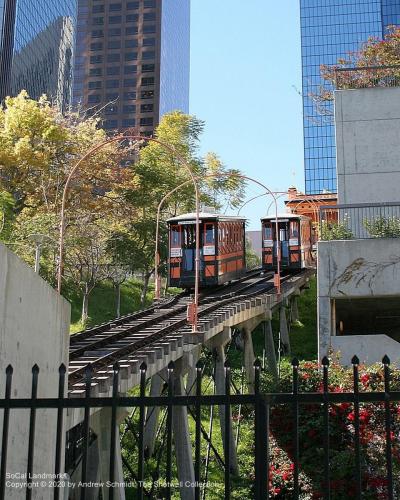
368, 144
34, 328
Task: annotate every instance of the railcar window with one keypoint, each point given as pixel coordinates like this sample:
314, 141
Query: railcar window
175, 236
210, 238
294, 229
268, 233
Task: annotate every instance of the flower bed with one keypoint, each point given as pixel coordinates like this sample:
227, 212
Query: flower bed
341, 436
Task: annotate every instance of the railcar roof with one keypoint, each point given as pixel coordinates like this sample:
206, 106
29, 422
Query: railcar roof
285, 216
207, 216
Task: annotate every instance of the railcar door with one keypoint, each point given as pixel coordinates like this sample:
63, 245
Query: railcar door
189, 251
284, 243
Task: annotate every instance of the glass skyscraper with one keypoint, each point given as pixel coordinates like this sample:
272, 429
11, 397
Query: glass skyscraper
330, 29
132, 61
36, 48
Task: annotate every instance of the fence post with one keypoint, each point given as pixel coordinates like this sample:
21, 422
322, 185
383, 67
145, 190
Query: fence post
261, 439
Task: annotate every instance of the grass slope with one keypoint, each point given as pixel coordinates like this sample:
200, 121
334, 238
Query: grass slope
102, 303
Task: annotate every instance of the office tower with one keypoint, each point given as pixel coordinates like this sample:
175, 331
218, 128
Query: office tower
36, 48
132, 62
330, 30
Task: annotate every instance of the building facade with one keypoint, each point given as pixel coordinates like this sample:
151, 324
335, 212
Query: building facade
36, 48
330, 30
132, 62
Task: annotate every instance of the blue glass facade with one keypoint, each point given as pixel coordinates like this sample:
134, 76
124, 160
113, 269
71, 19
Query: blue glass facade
330, 29
175, 56
36, 48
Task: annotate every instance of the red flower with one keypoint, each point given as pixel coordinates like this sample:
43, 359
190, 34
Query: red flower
365, 378
351, 416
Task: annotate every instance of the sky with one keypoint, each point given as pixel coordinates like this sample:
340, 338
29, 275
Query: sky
245, 84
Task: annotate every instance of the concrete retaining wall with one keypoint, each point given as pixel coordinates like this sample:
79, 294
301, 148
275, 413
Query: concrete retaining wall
34, 328
368, 144
354, 269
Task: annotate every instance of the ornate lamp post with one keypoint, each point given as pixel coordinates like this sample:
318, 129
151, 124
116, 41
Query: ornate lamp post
119, 138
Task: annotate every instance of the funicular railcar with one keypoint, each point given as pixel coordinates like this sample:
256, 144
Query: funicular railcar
222, 249
295, 239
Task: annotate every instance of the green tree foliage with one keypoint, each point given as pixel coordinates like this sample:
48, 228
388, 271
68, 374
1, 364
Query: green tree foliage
110, 210
373, 53
252, 259
383, 227
6, 215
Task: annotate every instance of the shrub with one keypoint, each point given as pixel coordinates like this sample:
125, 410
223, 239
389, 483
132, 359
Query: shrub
383, 227
335, 231
341, 433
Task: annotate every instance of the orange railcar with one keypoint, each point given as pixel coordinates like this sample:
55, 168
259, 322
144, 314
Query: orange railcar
296, 239
222, 249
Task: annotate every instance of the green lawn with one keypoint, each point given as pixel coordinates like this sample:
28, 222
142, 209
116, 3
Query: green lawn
303, 335
102, 303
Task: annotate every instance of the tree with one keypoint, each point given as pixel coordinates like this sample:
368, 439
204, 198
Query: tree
373, 55
252, 259
87, 260
158, 171
6, 215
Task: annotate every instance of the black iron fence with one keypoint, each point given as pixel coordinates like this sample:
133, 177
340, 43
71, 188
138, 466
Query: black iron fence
360, 221
367, 77
328, 398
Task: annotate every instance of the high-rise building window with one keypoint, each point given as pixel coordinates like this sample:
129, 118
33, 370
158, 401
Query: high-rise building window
128, 122
97, 9
113, 70
112, 96
149, 4
129, 96
146, 108
97, 34
132, 18
115, 7
149, 16
132, 5
110, 124
131, 56
147, 94
148, 68
130, 44
115, 20
150, 28
129, 108
95, 72
96, 59
93, 98
111, 109
98, 21
114, 44
95, 46
112, 84
146, 121
114, 32
149, 42
128, 70
131, 30
146, 81
130, 82
94, 84
113, 57
150, 54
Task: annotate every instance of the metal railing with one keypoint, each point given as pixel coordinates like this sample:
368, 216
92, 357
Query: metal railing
367, 77
260, 403
360, 221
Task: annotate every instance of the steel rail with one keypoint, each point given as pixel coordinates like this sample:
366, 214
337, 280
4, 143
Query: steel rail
77, 375
103, 341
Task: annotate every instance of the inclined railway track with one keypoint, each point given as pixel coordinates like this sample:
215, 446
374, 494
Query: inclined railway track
133, 336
